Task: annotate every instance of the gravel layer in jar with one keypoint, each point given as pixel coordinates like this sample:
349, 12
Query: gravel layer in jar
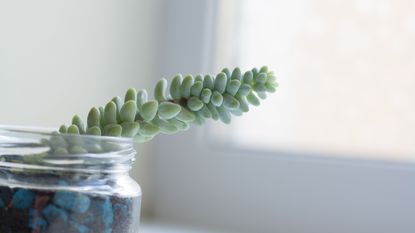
42, 211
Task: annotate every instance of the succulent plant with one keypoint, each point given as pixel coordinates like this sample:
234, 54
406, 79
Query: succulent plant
188, 100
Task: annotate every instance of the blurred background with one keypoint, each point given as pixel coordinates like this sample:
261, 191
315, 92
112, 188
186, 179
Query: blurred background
332, 151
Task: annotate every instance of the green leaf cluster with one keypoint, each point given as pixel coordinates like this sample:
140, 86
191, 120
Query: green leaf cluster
187, 100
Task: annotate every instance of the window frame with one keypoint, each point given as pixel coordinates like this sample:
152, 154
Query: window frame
198, 181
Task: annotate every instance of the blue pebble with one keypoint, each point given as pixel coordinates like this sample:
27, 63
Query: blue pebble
122, 208
72, 201
64, 199
81, 228
40, 223
82, 203
109, 230
51, 212
23, 199
36, 221
87, 218
33, 213
107, 213
1, 204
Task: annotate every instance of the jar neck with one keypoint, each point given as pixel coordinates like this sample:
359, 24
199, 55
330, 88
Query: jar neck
34, 150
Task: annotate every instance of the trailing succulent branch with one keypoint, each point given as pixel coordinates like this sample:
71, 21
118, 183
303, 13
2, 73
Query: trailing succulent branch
188, 100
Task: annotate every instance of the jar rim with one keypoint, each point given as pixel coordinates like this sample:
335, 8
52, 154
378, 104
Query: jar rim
47, 131
101, 154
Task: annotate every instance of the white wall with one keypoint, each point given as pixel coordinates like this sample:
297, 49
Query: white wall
59, 58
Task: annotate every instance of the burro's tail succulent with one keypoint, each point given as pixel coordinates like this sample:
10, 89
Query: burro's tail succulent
185, 101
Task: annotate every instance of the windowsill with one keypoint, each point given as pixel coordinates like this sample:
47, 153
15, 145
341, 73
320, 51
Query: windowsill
148, 226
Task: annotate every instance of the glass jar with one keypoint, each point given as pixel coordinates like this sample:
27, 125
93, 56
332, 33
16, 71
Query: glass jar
62, 183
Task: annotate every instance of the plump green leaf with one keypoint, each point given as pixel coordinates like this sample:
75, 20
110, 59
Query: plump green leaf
130, 129
199, 78
213, 111
61, 151
224, 115
236, 112
226, 72
77, 150
73, 129
261, 78
94, 130
244, 89
236, 74
113, 130
220, 82
271, 78
101, 114
118, 103
208, 82
186, 86
110, 113
180, 125
243, 103
258, 87
194, 103
149, 110
196, 88
165, 126
63, 129
230, 102
252, 99
128, 111
76, 120
57, 140
142, 98
175, 87
186, 115
148, 129
94, 147
160, 90
233, 87
168, 110
199, 120
248, 77
217, 99
261, 95
205, 95
131, 94
270, 87
141, 138
254, 72
264, 69
205, 112
93, 117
